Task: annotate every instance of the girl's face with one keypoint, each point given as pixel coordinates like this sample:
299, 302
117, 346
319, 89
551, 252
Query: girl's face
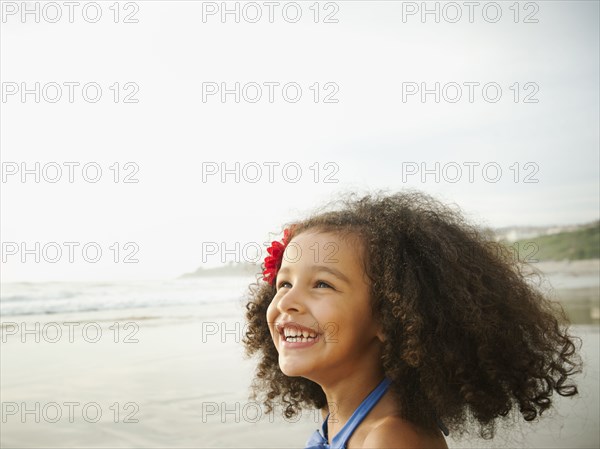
323, 294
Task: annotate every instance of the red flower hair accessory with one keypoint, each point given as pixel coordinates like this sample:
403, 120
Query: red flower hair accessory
273, 260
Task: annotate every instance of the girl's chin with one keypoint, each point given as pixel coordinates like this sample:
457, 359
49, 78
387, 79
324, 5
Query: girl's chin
293, 369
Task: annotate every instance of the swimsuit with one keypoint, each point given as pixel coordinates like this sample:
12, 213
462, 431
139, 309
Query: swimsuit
321, 441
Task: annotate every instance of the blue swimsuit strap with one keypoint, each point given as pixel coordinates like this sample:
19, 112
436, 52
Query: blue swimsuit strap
340, 439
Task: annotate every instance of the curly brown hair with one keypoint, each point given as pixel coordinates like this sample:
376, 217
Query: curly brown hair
468, 335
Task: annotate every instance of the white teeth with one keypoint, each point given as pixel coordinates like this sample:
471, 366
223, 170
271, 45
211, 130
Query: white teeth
299, 339
295, 335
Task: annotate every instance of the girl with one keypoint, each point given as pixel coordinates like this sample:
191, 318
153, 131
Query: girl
399, 321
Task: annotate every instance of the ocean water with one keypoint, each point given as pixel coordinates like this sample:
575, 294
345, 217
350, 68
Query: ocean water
571, 281
26, 298
45, 298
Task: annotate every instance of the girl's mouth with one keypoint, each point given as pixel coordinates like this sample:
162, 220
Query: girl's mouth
294, 335
298, 342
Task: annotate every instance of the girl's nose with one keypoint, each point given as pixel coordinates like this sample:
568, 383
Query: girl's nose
291, 301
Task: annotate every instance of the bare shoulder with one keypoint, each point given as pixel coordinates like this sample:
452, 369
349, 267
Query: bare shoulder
396, 433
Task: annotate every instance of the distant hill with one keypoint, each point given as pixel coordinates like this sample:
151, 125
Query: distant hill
573, 242
583, 242
515, 233
231, 269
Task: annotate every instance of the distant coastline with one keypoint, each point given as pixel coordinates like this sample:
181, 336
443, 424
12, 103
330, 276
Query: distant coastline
555, 244
539, 244
230, 269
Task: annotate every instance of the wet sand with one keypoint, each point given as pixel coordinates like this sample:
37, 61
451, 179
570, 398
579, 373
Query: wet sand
186, 383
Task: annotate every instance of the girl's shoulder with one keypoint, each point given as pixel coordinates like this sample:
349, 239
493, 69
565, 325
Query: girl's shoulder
393, 432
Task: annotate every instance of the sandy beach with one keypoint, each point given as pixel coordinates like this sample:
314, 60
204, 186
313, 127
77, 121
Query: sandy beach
175, 376
186, 376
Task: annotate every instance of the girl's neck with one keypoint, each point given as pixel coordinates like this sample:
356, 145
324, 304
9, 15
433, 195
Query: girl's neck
346, 394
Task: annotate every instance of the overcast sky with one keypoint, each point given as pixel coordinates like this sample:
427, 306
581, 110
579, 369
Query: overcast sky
368, 129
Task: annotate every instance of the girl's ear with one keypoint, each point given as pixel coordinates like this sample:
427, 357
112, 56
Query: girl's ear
380, 334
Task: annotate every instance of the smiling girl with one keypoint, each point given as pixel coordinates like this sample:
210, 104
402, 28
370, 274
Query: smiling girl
399, 321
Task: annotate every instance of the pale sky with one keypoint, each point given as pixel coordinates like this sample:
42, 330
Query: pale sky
371, 138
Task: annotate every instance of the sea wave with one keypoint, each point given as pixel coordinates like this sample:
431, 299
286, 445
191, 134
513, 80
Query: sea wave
27, 298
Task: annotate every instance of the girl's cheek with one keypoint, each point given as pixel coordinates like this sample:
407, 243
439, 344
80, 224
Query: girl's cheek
271, 314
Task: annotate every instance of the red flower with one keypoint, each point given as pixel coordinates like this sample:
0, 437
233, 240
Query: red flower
273, 260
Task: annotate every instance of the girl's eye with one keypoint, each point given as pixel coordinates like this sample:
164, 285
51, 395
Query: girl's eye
318, 283
323, 283
280, 285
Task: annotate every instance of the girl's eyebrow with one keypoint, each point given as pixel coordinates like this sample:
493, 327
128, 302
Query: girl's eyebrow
338, 274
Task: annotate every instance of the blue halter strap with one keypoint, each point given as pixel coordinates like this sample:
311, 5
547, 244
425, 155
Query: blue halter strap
319, 440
